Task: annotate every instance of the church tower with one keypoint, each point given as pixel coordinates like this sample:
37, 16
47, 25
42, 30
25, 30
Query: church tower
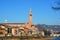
30, 17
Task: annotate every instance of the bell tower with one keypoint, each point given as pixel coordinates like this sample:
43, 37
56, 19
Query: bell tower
30, 17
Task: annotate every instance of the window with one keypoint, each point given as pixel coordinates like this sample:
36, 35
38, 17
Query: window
1, 33
9, 30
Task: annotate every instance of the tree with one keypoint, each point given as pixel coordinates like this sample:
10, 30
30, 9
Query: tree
46, 33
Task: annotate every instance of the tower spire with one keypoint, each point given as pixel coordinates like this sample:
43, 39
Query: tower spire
31, 11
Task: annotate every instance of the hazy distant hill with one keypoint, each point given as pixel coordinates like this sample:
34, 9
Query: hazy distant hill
53, 27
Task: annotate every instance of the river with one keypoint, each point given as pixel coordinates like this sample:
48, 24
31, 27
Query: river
56, 38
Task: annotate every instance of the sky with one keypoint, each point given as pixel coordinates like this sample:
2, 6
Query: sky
17, 11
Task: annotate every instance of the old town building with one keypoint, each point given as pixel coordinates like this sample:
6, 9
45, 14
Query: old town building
18, 29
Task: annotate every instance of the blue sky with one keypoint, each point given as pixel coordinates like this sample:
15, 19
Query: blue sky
18, 11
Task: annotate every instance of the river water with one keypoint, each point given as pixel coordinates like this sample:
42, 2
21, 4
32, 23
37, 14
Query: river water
56, 38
